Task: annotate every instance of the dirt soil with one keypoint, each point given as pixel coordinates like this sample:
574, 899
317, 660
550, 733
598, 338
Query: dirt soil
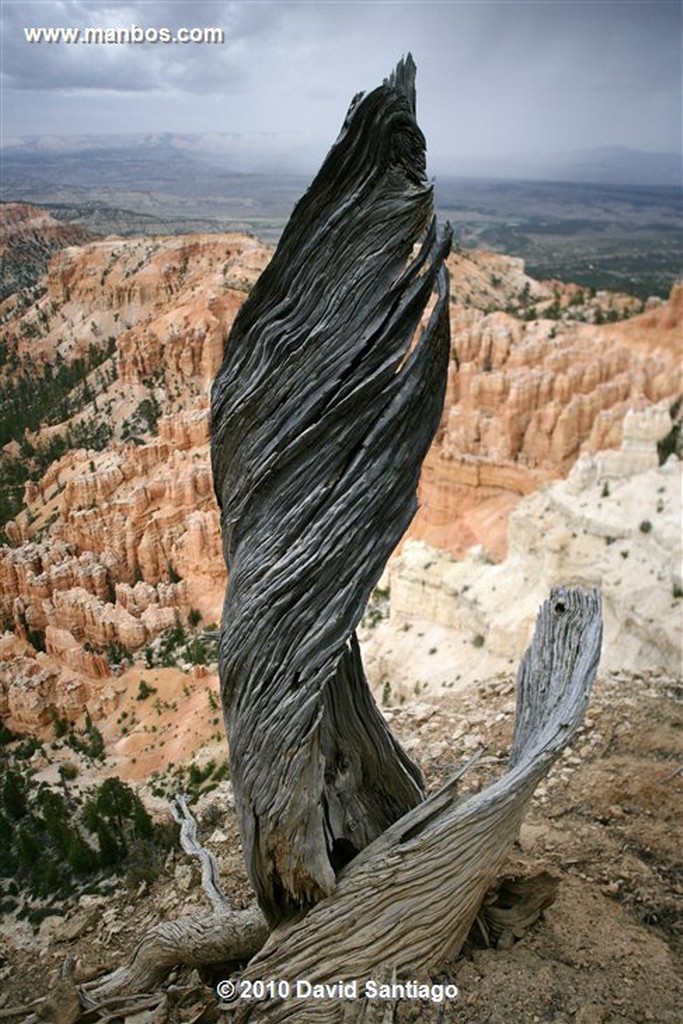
606, 822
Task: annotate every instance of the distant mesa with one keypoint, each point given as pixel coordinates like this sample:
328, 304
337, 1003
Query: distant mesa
299, 152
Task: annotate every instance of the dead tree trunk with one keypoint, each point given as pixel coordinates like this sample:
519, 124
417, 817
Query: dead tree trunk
322, 413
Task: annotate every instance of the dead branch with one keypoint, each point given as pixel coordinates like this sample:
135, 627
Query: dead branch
17, 1011
225, 936
228, 938
192, 847
408, 900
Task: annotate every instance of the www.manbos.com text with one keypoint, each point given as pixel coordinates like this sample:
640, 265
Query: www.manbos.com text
122, 36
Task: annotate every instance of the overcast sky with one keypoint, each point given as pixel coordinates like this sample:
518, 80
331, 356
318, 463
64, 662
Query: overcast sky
494, 78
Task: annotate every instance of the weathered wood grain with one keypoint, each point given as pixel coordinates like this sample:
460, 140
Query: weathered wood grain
322, 412
228, 938
409, 899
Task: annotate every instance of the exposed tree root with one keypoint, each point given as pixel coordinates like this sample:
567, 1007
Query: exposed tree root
229, 939
512, 906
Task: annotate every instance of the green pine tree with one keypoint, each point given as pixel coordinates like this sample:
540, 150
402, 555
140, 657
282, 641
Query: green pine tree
110, 851
80, 857
14, 795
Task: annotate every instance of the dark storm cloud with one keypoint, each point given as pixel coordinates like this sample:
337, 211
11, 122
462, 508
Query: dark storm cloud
504, 76
134, 67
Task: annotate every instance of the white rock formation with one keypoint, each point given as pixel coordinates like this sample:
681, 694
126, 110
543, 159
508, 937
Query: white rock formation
614, 523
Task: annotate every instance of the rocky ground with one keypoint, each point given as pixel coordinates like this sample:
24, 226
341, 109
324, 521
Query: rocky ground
606, 823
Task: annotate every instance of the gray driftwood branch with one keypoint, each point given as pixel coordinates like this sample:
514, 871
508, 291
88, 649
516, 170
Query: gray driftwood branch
211, 883
225, 937
408, 900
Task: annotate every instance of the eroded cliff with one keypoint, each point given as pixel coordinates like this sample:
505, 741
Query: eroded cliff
28, 237
118, 541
